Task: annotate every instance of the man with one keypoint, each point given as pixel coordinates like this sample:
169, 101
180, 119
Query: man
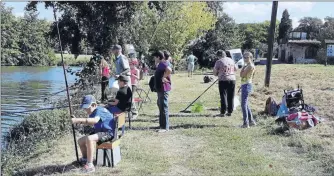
123, 68
191, 64
225, 69
104, 124
162, 84
122, 99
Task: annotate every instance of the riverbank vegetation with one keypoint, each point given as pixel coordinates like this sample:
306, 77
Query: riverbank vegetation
199, 144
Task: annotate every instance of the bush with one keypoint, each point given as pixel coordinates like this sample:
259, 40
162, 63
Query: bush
32, 137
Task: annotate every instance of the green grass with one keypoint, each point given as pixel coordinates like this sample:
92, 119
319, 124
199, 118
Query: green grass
217, 146
70, 60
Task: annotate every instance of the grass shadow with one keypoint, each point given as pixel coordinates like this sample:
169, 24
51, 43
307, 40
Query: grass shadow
183, 126
49, 169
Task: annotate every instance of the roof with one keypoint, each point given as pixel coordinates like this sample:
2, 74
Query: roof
304, 41
329, 41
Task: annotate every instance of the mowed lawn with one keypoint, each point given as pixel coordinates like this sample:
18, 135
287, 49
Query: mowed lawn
202, 145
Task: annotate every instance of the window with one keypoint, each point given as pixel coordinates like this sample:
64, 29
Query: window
311, 52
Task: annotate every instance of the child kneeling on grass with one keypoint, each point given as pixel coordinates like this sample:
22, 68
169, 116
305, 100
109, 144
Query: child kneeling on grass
104, 126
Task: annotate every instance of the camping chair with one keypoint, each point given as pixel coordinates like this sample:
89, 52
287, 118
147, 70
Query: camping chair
140, 90
294, 98
110, 151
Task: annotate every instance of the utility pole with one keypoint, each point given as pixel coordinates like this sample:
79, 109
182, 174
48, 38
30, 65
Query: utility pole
271, 42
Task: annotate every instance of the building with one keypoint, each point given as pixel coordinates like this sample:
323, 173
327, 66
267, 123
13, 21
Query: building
298, 48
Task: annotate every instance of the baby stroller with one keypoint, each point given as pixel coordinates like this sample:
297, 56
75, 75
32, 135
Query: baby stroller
294, 99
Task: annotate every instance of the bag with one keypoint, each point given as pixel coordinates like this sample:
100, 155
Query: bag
236, 102
113, 84
207, 79
271, 107
151, 84
302, 120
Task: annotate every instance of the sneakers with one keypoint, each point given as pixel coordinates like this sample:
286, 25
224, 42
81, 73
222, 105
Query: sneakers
162, 130
245, 126
83, 161
229, 114
88, 169
252, 124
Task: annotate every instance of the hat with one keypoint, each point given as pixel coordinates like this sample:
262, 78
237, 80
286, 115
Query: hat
123, 78
87, 101
117, 47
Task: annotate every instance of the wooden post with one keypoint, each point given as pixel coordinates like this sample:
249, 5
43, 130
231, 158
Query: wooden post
271, 42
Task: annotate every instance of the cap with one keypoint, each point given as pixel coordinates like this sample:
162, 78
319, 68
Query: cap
117, 47
87, 101
220, 53
123, 78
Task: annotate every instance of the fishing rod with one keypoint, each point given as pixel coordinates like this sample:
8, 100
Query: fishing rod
67, 90
185, 110
34, 110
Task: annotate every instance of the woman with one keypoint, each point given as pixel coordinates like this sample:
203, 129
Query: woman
246, 74
105, 74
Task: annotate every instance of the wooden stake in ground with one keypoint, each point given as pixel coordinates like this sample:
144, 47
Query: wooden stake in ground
271, 40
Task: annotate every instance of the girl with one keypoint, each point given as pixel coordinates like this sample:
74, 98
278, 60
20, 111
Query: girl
134, 76
246, 74
105, 74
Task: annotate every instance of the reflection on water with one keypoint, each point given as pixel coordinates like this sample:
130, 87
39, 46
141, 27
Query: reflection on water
25, 88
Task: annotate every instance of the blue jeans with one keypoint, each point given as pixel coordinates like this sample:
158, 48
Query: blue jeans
246, 89
163, 110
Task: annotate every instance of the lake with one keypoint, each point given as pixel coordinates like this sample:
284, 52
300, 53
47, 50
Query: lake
28, 88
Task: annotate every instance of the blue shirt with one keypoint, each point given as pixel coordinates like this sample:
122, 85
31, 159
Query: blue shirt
106, 122
121, 64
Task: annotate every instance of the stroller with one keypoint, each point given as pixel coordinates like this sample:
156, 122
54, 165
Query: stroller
299, 115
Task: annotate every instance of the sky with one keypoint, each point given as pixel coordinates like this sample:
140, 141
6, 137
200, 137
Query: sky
242, 12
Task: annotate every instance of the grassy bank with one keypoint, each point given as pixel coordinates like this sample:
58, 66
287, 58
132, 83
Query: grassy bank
216, 146
70, 60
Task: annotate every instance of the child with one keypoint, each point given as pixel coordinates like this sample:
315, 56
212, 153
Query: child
123, 97
104, 124
134, 76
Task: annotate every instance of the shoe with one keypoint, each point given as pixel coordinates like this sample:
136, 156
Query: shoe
83, 161
229, 114
245, 126
162, 131
88, 169
252, 124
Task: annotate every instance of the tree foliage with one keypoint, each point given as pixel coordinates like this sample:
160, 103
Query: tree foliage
310, 25
23, 40
285, 26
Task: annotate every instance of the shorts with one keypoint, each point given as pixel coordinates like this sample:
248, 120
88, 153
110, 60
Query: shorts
191, 67
103, 137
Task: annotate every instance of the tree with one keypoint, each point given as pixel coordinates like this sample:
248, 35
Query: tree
180, 23
310, 25
285, 26
224, 36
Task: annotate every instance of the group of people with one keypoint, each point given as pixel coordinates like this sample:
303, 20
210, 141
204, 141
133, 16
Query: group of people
127, 75
225, 68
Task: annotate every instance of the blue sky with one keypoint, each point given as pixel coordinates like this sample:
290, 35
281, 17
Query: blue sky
242, 12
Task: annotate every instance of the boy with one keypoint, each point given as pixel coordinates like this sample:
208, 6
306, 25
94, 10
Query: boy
123, 97
104, 125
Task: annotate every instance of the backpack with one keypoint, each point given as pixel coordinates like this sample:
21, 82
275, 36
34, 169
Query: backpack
271, 107
151, 84
207, 79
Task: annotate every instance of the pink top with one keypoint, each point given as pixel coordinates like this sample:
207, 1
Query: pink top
106, 72
134, 71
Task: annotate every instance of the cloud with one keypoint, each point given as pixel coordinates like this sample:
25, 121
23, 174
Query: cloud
250, 12
295, 22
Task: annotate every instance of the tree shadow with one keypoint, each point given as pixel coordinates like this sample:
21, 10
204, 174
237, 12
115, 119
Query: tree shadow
49, 169
183, 126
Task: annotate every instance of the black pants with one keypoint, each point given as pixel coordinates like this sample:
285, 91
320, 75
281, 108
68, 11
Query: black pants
226, 91
104, 85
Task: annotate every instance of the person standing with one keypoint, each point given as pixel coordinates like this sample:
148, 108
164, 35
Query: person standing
162, 84
225, 69
191, 64
123, 68
135, 76
247, 74
105, 74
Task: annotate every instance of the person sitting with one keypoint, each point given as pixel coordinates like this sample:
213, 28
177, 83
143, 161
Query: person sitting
104, 124
123, 96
